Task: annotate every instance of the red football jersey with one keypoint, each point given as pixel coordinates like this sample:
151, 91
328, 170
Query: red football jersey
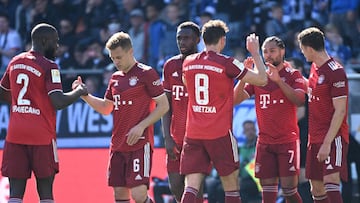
172, 82
210, 80
276, 114
326, 83
132, 94
31, 78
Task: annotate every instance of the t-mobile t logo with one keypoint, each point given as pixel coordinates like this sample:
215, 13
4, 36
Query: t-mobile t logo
264, 100
178, 91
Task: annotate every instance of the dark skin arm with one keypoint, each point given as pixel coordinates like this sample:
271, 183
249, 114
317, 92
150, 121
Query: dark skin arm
170, 144
61, 100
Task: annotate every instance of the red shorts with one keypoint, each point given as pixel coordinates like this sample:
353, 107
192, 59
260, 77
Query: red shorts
336, 162
173, 166
197, 155
130, 169
277, 160
20, 160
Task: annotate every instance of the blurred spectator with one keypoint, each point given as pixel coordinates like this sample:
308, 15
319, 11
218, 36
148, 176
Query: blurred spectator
106, 76
111, 27
205, 16
334, 44
248, 189
64, 54
198, 7
95, 54
154, 34
79, 61
23, 19
343, 16
93, 15
320, 11
9, 7
125, 13
168, 46
296, 12
137, 34
275, 25
257, 17
42, 13
62, 9
67, 32
184, 8
10, 41
92, 85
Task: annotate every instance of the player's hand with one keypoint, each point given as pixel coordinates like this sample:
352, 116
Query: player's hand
83, 89
249, 63
252, 43
80, 86
171, 148
324, 152
134, 135
273, 73
76, 83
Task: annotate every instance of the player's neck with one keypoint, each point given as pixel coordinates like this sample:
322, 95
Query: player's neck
321, 58
214, 48
127, 69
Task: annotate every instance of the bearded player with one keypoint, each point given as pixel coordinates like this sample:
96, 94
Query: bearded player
277, 150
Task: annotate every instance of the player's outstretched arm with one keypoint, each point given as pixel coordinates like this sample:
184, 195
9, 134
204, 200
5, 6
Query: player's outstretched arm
258, 76
239, 93
101, 105
61, 100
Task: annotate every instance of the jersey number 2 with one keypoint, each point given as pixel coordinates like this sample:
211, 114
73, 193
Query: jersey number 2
22, 79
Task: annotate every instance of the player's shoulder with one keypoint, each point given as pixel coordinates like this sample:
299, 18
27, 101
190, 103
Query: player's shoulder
290, 70
193, 56
143, 67
333, 66
31, 57
177, 59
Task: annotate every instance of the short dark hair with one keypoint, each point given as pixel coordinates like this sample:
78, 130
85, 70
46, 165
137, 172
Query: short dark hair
213, 30
312, 37
41, 31
248, 122
279, 42
190, 25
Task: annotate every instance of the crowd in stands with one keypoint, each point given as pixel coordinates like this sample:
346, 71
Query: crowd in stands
85, 25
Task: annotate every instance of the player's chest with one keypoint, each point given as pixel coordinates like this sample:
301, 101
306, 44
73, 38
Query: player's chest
127, 85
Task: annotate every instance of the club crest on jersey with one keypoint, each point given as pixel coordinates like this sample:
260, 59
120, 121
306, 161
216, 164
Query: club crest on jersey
321, 79
133, 80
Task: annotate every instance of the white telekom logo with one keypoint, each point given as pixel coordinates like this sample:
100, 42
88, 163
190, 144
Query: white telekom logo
178, 91
264, 100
